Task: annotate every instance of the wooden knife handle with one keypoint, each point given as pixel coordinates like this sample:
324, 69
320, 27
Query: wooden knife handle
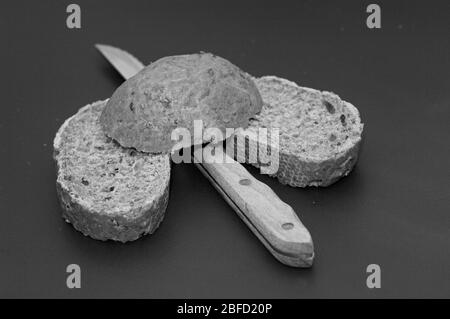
274, 222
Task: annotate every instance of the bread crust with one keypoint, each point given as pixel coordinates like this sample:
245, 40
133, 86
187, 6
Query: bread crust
103, 225
297, 172
175, 91
301, 171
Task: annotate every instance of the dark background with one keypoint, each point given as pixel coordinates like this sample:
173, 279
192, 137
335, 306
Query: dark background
392, 210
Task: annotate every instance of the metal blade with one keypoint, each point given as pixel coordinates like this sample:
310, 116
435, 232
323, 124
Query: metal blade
124, 62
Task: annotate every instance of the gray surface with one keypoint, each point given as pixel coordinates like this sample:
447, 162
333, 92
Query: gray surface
393, 210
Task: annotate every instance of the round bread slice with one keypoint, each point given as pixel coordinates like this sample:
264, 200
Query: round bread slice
106, 191
175, 91
319, 134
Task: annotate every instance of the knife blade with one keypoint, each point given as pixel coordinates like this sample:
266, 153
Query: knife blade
273, 222
125, 63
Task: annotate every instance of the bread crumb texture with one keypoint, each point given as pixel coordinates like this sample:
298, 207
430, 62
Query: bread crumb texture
319, 137
106, 191
173, 92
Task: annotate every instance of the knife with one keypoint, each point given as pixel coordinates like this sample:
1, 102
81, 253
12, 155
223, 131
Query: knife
273, 222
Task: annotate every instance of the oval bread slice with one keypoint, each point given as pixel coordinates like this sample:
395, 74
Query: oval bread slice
106, 191
319, 134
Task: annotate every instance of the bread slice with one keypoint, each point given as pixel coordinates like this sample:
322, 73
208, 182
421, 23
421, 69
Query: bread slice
320, 134
106, 191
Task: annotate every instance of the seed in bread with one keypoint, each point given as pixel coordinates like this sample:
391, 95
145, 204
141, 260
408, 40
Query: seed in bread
106, 191
320, 134
174, 92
